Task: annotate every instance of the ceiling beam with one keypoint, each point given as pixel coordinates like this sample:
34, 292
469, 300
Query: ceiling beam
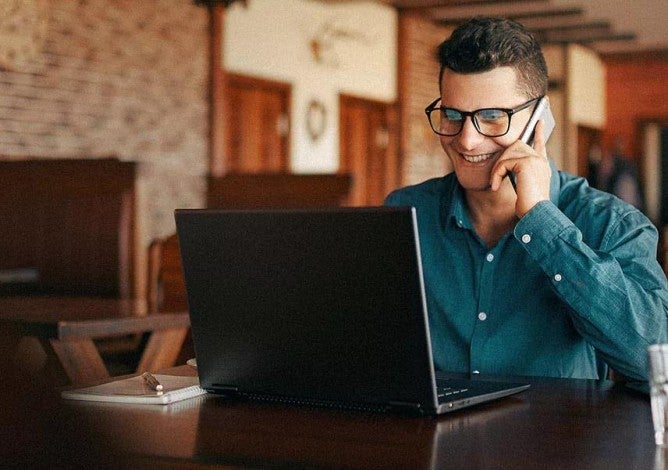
599, 27
510, 10
525, 17
423, 4
550, 24
550, 13
649, 55
587, 39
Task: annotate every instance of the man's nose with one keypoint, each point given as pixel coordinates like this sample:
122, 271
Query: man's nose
469, 137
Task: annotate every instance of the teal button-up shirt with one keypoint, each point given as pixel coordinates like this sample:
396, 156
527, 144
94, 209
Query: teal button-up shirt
575, 288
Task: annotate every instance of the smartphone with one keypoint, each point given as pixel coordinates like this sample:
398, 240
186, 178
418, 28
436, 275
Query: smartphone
544, 113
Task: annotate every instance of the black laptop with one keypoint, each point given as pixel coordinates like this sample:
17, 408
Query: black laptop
321, 307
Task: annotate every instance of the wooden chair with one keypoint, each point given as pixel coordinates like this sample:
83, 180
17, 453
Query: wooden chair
67, 227
166, 287
166, 290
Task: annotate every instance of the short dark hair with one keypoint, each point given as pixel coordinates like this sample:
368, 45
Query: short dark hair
484, 43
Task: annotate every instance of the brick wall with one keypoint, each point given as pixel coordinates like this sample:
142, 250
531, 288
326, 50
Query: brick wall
124, 78
422, 154
128, 78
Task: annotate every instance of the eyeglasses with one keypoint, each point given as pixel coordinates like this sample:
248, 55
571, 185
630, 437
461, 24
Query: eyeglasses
491, 122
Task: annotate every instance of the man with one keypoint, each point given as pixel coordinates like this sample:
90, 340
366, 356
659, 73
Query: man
550, 278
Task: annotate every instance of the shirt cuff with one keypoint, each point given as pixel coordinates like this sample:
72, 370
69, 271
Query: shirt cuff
538, 230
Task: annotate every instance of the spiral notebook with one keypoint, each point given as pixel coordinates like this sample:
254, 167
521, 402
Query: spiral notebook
135, 390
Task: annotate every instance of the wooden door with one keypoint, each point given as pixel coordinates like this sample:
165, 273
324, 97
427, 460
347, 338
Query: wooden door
258, 125
368, 148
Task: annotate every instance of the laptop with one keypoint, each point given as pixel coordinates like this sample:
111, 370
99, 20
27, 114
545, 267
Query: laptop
322, 307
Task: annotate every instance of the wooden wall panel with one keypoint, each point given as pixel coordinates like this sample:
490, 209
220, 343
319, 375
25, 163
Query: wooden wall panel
636, 91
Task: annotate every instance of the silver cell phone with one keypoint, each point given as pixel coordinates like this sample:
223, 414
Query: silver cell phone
544, 113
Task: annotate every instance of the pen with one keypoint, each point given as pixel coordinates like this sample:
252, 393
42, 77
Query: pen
152, 382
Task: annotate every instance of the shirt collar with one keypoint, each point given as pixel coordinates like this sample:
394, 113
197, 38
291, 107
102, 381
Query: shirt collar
456, 210
555, 183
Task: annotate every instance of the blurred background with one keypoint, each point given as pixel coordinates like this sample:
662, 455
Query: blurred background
116, 112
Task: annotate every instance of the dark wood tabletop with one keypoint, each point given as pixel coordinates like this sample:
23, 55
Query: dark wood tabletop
94, 317
57, 308
557, 423
66, 328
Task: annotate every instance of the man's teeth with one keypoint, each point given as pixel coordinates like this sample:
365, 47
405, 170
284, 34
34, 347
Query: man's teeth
478, 158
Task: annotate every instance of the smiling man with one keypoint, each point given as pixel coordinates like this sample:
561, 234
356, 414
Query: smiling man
547, 277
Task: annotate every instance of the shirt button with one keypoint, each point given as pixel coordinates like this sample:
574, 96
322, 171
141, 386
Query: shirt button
526, 238
557, 277
490, 257
482, 316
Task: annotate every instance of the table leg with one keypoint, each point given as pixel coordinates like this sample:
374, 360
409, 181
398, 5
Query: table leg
162, 349
79, 358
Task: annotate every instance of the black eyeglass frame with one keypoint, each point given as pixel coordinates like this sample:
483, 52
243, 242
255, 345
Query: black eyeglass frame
509, 111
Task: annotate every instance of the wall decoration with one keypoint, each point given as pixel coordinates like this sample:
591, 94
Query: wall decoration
322, 44
316, 119
22, 31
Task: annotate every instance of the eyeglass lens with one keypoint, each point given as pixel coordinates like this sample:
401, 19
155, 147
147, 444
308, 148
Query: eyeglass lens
490, 122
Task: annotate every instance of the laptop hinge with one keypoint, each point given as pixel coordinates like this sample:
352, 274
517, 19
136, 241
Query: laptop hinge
227, 390
406, 407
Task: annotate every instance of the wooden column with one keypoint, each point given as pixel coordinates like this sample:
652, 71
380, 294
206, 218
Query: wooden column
218, 131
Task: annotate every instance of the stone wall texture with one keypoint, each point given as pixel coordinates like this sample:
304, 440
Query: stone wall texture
423, 156
129, 79
119, 78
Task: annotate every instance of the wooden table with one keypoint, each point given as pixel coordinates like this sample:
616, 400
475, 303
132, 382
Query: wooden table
66, 327
557, 423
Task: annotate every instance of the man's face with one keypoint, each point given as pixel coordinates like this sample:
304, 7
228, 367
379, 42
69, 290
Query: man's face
472, 154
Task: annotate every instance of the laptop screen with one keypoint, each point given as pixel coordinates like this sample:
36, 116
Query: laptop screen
321, 305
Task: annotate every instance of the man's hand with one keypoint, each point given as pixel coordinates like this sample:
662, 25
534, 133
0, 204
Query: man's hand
531, 169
